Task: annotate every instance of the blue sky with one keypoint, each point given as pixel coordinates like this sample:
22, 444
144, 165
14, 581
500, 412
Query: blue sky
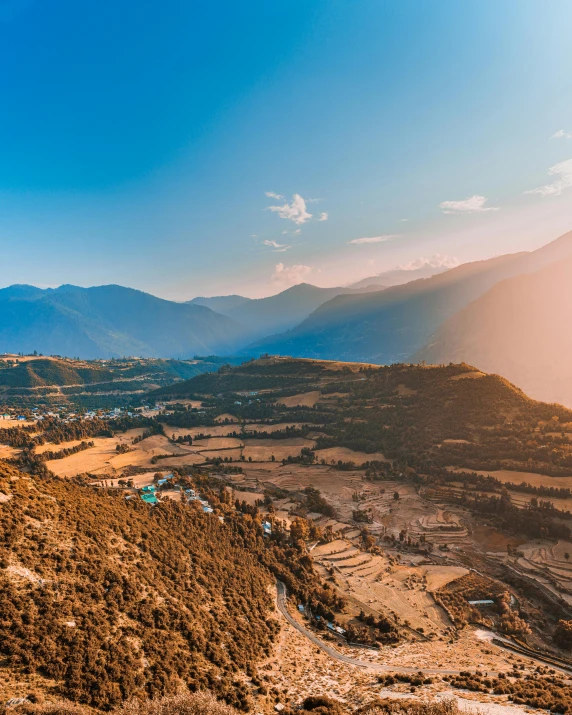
139, 140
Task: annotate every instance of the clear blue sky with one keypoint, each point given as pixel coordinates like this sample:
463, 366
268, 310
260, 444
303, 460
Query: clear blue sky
138, 140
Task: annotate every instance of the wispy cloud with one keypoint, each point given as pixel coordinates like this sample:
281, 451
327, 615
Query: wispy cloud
473, 204
563, 180
290, 275
561, 134
375, 239
435, 261
324, 216
277, 247
294, 211
272, 195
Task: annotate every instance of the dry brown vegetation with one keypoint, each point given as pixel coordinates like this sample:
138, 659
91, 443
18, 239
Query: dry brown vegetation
111, 600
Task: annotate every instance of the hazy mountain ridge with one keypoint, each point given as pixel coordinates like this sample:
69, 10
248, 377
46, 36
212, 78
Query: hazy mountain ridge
518, 329
280, 312
399, 276
110, 321
220, 303
392, 325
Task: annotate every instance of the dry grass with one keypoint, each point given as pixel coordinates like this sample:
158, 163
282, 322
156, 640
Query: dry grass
336, 454
505, 475
262, 450
102, 459
304, 399
216, 443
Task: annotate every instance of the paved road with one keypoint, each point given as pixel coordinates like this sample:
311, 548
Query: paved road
363, 664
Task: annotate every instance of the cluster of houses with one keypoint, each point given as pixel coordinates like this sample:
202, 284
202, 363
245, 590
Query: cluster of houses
338, 630
193, 496
65, 415
148, 493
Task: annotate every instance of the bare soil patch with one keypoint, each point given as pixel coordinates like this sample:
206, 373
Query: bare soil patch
304, 399
404, 391
262, 450
202, 445
343, 454
505, 475
226, 417
103, 459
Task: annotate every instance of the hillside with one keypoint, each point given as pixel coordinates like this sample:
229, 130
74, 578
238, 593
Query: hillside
48, 371
110, 321
391, 325
518, 329
414, 414
102, 599
31, 381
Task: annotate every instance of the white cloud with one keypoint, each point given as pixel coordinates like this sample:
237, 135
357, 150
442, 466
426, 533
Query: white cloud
323, 216
290, 275
272, 195
436, 261
375, 239
561, 134
563, 180
278, 247
403, 220
294, 211
470, 205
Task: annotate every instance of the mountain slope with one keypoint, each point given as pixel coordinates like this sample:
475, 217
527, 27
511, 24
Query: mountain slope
47, 371
399, 276
104, 599
519, 329
391, 325
276, 313
220, 303
110, 321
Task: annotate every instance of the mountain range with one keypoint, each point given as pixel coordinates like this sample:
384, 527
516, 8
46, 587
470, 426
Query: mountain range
392, 325
507, 314
110, 321
280, 312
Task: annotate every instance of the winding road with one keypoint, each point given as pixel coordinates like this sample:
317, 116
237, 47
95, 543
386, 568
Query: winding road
365, 665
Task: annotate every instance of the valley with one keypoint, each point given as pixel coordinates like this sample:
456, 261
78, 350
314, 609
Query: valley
389, 501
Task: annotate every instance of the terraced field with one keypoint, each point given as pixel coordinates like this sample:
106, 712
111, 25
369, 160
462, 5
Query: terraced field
547, 563
382, 585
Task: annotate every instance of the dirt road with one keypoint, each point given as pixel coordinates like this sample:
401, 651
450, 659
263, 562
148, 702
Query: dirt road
365, 665
334, 653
